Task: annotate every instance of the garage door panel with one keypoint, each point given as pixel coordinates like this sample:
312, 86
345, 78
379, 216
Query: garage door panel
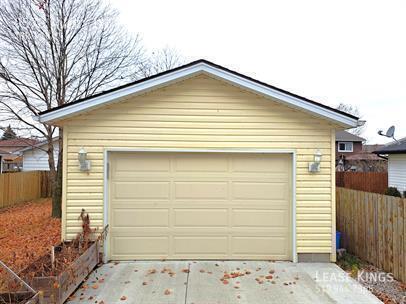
200, 217
201, 190
200, 205
138, 245
199, 245
148, 162
254, 163
136, 190
140, 217
259, 245
260, 218
201, 163
260, 190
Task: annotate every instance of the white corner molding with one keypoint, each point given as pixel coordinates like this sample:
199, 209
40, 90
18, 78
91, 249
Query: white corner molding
190, 71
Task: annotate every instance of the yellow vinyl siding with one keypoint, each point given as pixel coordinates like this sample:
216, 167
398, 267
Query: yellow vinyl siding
203, 113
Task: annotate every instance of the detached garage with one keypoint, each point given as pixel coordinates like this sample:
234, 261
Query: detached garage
201, 162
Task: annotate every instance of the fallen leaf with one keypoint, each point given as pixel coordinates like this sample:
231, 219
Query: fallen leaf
27, 233
152, 271
123, 298
185, 270
225, 282
269, 277
167, 292
144, 283
95, 286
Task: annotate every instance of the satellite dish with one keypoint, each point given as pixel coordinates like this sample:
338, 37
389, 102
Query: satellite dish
390, 132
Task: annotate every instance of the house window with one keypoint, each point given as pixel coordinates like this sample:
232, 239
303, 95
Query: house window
345, 147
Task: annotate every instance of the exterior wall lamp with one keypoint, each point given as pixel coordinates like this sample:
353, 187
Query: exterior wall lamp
315, 166
84, 163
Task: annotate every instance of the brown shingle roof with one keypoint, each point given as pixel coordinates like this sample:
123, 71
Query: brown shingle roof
364, 156
347, 136
18, 142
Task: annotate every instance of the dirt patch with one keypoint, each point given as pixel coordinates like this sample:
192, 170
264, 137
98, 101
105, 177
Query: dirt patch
380, 283
27, 232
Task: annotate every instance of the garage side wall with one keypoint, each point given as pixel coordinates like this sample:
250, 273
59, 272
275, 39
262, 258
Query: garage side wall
202, 113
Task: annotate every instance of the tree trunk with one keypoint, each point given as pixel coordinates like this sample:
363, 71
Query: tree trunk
57, 181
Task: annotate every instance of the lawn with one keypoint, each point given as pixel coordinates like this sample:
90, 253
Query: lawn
27, 232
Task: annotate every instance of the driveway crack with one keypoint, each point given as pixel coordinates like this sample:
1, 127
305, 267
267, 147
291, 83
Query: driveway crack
187, 282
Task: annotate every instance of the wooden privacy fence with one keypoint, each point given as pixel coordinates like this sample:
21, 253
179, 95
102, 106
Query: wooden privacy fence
23, 186
376, 182
373, 228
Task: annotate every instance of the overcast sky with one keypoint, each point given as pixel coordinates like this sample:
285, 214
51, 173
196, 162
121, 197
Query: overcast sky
330, 51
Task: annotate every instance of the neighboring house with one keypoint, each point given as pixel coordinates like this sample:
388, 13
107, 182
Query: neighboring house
11, 160
35, 158
396, 154
347, 144
201, 162
2, 155
353, 155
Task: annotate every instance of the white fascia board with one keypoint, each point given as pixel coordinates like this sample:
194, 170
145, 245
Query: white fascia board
284, 98
189, 72
113, 96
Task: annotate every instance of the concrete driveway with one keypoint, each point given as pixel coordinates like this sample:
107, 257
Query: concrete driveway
223, 282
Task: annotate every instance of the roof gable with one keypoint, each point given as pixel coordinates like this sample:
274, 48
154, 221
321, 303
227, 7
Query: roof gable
347, 136
190, 70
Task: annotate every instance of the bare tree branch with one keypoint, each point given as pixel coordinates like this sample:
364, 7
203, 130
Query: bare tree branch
353, 110
56, 51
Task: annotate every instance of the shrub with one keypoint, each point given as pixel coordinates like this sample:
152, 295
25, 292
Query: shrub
393, 191
350, 263
404, 194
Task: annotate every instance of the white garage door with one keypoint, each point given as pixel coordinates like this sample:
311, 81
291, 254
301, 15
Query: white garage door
200, 206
